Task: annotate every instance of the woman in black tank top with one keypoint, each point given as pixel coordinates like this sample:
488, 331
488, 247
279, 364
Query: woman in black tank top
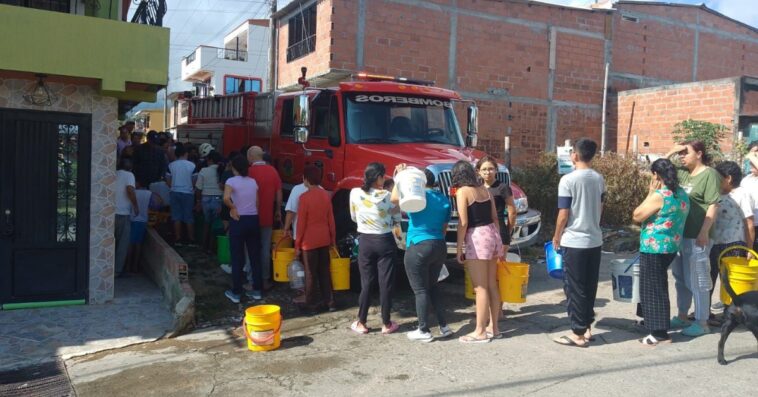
478, 232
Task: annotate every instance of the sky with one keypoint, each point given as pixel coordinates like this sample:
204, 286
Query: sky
206, 22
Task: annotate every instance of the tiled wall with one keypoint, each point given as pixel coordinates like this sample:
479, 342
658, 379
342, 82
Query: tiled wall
85, 99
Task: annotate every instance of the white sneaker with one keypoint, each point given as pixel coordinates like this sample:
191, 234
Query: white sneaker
445, 331
717, 306
420, 335
226, 268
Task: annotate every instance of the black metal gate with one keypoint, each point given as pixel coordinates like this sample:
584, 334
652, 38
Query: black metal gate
44, 205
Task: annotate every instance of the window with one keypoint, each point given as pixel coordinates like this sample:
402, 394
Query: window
326, 113
50, 5
286, 120
302, 34
234, 84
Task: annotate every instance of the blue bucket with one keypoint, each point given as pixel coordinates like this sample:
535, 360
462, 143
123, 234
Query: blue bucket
554, 261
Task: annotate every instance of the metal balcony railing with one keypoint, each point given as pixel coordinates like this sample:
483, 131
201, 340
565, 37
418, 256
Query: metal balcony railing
190, 58
231, 54
150, 12
301, 48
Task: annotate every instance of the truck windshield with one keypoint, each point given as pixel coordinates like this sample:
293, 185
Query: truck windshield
392, 118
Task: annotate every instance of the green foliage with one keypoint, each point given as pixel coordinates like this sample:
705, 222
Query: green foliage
626, 187
708, 133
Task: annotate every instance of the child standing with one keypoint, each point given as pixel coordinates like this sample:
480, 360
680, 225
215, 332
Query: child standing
146, 200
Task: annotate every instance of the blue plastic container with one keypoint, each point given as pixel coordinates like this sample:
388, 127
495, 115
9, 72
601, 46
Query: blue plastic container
554, 261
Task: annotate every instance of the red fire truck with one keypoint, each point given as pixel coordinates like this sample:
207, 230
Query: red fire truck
342, 129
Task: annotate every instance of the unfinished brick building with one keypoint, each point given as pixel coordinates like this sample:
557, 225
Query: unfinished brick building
535, 69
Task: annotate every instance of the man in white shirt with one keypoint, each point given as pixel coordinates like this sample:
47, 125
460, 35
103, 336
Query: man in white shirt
126, 204
750, 185
290, 219
182, 197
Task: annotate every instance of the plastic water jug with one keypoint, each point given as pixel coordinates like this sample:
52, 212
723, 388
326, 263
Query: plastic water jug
411, 186
296, 274
702, 270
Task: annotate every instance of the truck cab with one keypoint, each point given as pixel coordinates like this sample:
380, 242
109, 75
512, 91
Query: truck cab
385, 121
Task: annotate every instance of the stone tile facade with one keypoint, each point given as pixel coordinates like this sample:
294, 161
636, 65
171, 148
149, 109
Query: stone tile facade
85, 99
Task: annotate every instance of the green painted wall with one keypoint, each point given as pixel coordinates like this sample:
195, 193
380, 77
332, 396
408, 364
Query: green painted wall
71, 45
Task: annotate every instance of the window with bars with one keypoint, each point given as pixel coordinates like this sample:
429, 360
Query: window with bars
302, 34
49, 5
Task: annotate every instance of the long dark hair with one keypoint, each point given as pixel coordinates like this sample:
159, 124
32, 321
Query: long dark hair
240, 165
666, 170
373, 172
699, 146
465, 175
486, 159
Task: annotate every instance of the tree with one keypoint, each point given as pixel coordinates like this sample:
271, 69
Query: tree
708, 133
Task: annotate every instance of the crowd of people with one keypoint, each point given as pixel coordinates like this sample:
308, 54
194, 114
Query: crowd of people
691, 210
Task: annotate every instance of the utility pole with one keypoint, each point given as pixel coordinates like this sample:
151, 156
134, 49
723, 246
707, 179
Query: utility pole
272, 49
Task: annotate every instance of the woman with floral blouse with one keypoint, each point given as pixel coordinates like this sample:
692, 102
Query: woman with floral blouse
662, 215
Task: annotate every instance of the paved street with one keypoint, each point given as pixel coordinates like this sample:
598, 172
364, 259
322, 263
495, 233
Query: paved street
320, 356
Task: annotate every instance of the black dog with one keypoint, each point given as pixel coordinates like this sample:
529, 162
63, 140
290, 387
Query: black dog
743, 310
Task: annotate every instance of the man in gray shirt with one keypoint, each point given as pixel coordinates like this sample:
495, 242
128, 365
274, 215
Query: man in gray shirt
577, 232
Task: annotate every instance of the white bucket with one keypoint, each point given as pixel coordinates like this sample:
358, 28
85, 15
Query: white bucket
625, 275
411, 185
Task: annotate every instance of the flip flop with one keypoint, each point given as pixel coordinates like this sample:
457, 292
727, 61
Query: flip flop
566, 341
354, 326
651, 341
391, 329
499, 335
471, 340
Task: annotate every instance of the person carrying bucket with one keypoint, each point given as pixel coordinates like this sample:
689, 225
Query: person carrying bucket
478, 232
662, 216
734, 224
577, 232
376, 217
315, 234
703, 185
424, 256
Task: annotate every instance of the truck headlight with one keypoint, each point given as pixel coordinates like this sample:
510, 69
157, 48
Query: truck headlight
522, 205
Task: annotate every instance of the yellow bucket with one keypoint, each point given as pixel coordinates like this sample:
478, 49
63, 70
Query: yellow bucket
469, 291
277, 235
743, 274
340, 270
282, 257
263, 325
513, 279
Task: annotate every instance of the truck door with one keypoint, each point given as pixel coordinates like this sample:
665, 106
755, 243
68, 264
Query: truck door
287, 155
324, 144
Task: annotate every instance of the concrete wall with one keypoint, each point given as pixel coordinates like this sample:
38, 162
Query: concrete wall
536, 70
652, 113
85, 99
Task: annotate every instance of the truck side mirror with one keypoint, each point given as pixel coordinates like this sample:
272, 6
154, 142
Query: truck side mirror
302, 111
301, 135
473, 126
473, 120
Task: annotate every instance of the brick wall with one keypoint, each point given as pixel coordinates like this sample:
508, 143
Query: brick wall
503, 53
318, 61
652, 113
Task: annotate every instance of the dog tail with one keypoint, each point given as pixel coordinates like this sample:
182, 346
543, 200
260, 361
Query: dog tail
728, 286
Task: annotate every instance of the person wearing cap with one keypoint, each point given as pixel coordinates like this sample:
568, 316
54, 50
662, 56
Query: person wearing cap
270, 186
149, 160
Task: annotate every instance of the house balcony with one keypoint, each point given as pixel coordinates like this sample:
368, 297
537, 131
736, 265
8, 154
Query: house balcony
128, 61
202, 63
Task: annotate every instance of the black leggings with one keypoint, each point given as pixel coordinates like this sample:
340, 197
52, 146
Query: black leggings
376, 253
423, 262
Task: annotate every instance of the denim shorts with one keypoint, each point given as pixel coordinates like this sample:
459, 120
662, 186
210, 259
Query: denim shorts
137, 232
181, 207
211, 208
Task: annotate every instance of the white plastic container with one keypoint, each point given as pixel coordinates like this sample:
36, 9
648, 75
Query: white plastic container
411, 185
625, 275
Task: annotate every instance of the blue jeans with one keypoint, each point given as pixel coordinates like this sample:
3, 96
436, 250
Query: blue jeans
181, 207
685, 280
211, 208
245, 233
423, 262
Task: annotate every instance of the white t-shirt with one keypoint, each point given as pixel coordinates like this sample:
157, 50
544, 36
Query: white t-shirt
161, 189
143, 202
581, 192
293, 201
123, 179
181, 175
207, 181
750, 185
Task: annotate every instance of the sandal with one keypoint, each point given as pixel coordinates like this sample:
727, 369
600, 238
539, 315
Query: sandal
499, 335
391, 329
651, 341
359, 328
566, 341
470, 339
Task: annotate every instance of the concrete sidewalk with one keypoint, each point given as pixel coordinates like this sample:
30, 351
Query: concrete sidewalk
137, 314
321, 356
